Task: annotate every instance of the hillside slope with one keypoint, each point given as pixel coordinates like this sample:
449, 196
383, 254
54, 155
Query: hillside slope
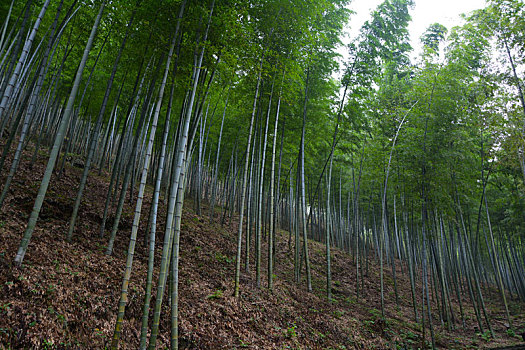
66, 294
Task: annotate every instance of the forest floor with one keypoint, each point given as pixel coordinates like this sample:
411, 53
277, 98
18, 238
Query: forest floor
66, 294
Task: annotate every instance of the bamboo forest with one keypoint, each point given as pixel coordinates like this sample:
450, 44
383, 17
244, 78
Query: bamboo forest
228, 174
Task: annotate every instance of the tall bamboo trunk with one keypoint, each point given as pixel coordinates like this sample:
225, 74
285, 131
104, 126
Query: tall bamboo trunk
243, 190
58, 141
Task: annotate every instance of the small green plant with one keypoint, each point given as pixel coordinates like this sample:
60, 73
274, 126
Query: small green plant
5, 307
485, 335
223, 258
48, 344
375, 312
291, 331
216, 295
58, 315
339, 313
368, 323
319, 334
243, 344
350, 300
511, 333
99, 333
409, 338
50, 289
411, 335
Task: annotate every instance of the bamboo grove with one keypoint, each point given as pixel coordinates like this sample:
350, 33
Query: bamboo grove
417, 163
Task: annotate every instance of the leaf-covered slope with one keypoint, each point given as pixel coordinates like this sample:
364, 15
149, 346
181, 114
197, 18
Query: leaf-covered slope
66, 294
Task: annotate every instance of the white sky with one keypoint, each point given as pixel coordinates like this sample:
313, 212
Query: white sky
424, 13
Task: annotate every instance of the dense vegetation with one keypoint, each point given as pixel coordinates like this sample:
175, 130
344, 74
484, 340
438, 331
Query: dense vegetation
236, 104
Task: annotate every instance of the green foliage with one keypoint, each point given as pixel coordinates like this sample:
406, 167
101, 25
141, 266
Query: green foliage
218, 294
291, 332
5, 307
223, 258
243, 344
375, 312
48, 344
339, 313
368, 323
433, 36
486, 336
